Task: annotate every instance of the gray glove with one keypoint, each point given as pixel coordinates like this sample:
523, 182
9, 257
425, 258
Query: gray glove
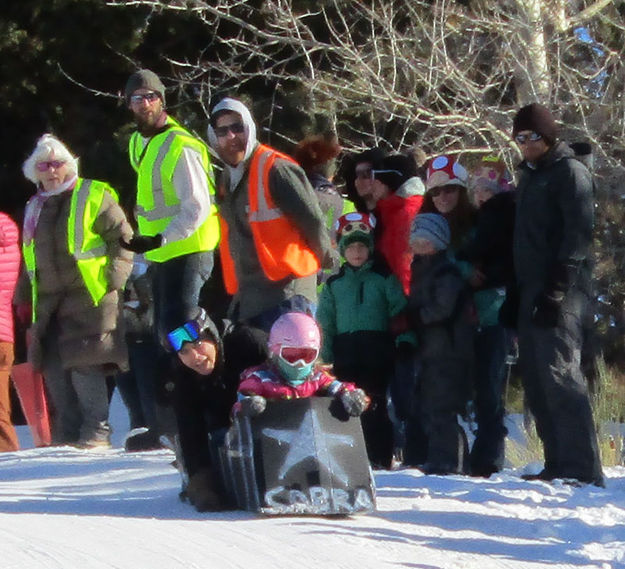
355, 402
253, 405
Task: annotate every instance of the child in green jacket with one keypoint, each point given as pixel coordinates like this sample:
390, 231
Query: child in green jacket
361, 314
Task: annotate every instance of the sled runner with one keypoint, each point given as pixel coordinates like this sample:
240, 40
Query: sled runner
302, 456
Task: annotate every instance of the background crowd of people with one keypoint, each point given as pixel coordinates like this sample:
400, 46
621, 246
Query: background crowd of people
422, 276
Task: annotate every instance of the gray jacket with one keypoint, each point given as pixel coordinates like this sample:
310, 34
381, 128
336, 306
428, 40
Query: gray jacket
293, 194
554, 221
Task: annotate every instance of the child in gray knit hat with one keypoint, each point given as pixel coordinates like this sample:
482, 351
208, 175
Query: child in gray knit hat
441, 313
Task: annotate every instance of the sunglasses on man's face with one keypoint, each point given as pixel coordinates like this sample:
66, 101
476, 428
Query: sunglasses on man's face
234, 128
46, 165
532, 137
140, 97
435, 192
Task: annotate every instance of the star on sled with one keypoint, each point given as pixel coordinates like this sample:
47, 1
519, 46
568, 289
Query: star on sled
303, 456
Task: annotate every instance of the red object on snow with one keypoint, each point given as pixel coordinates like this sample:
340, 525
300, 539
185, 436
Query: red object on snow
29, 386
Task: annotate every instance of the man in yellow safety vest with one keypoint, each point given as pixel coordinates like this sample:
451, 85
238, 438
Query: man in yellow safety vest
177, 222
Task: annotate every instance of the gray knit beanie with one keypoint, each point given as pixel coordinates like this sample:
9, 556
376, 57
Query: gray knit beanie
433, 227
144, 79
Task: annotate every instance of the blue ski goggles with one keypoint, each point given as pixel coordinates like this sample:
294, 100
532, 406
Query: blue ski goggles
188, 332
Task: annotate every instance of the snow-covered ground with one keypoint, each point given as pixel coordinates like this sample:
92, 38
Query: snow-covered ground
66, 508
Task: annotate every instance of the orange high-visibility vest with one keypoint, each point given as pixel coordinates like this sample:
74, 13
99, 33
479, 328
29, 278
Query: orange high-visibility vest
281, 249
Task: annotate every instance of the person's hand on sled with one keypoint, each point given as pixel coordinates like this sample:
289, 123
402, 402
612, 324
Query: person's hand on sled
253, 405
355, 402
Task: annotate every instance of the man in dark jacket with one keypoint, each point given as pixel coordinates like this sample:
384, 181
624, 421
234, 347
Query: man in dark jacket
552, 240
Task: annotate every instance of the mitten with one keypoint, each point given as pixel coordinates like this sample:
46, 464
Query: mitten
546, 311
253, 405
142, 243
355, 402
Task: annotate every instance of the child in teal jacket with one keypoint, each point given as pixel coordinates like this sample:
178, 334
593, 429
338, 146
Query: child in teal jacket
361, 314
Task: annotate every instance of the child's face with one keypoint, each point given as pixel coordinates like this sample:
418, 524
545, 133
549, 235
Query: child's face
481, 195
357, 254
422, 247
200, 356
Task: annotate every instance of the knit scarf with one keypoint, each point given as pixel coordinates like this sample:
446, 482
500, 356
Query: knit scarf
35, 205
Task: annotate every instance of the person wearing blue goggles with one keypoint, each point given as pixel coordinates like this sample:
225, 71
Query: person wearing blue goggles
195, 349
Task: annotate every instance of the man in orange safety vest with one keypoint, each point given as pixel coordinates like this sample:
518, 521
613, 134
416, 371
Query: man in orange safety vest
274, 240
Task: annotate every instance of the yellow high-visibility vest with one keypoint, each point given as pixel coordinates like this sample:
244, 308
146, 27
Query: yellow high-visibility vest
157, 202
83, 243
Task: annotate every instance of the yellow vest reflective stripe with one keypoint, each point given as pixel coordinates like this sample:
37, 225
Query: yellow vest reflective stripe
157, 202
28, 252
86, 246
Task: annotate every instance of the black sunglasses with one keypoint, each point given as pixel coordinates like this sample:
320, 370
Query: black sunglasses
234, 128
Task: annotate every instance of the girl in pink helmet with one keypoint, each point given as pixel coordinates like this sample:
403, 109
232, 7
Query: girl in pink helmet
292, 371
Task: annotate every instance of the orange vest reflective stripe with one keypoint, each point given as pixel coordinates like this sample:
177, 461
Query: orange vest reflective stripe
281, 249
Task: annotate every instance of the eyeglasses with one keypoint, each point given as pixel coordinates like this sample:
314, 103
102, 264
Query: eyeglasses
532, 136
374, 173
188, 332
435, 192
46, 165
295, 355
140, 97
234, 128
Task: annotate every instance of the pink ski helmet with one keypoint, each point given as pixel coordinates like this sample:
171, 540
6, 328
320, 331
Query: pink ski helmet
294, 342
294, 330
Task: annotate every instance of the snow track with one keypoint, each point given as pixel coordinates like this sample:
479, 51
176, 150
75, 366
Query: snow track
66, 508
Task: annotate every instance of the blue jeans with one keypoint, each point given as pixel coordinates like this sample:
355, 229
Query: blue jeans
176, 287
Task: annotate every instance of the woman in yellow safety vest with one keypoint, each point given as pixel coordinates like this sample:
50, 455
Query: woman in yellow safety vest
77, 270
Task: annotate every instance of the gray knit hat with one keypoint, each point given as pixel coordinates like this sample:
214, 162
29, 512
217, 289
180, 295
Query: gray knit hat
433, 227
144, 79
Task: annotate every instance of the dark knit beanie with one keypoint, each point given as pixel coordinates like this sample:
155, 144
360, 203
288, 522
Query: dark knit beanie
144, 79
537, 118
394, 170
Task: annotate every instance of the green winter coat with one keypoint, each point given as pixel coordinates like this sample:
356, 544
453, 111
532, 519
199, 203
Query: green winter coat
363, 299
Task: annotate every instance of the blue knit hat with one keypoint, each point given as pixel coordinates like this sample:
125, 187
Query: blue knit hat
433, 227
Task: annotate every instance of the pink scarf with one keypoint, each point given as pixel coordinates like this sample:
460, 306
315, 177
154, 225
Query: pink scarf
35, 205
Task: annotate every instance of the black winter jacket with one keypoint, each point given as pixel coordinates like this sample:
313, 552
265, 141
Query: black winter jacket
441, 310
554, 220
